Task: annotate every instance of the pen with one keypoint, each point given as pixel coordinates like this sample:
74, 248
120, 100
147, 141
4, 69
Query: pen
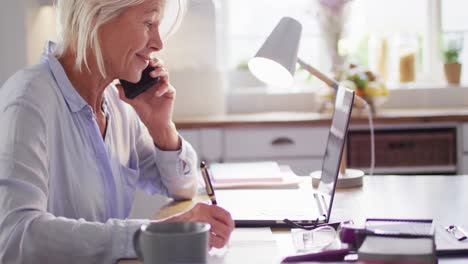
209, 187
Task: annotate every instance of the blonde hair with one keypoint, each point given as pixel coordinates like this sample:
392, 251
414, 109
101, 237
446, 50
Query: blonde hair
78, 24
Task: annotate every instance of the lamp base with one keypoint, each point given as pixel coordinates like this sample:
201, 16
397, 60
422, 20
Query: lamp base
351, 178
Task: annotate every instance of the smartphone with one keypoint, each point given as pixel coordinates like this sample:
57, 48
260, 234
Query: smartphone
132, 90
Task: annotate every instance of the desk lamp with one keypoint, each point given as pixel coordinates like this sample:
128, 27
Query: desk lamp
275, 64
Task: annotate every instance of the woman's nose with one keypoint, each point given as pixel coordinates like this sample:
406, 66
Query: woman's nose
155, 43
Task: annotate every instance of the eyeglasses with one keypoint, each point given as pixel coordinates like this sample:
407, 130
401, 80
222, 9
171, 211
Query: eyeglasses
313, 237
458, 232
313, 240
313, 226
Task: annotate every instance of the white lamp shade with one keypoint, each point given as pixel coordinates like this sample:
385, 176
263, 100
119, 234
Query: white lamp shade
275, 62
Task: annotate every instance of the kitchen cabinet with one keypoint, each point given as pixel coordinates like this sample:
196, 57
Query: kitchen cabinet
406, 149
409, 149
464, 160
409, 143
299, 147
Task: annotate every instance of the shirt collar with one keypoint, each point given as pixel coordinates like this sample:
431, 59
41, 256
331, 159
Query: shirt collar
73, 99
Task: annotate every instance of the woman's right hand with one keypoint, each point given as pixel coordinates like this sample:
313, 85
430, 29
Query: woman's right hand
220, 220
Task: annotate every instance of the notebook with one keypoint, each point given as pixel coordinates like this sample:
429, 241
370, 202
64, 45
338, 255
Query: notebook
269, 207
401, 227
288, 179
379, 249
448, 244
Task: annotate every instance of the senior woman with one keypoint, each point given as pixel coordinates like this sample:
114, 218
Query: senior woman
73, 149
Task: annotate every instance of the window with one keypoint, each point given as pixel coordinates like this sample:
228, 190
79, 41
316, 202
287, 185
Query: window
400, 28
250, 22
455, 21
400, 23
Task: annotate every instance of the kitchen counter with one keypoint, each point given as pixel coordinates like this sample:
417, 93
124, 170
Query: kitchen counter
383, 116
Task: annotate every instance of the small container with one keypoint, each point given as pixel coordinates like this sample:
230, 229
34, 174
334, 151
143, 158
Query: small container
403, 57
378, 55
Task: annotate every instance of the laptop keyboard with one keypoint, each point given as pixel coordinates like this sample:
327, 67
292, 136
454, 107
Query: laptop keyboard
292, 213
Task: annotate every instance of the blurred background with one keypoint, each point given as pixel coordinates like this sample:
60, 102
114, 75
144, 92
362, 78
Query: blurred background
402, 45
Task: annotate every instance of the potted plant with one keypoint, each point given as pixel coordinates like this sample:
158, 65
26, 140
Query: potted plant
452, 65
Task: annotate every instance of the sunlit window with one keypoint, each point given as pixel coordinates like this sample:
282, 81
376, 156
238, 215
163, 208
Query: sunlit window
404, 31
250, 22
455, 28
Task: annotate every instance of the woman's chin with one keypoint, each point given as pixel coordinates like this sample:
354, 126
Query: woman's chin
133, 78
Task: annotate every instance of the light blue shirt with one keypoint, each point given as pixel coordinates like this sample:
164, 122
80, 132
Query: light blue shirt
65, 191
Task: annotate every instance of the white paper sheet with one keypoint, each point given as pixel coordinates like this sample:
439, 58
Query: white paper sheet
247, 245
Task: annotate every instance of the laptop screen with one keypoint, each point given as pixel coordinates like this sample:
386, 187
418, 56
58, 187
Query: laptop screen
335, 143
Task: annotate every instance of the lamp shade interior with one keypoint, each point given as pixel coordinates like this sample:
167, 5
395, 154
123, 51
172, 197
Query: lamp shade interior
275, 61
270, 72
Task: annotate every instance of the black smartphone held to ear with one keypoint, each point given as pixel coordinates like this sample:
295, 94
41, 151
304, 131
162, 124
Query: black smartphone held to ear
132, 90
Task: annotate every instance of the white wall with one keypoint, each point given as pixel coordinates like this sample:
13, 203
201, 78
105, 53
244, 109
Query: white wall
13, 38
41, 28
192, 55
24, 26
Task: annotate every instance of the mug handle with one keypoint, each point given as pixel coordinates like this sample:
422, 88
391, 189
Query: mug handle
136, 244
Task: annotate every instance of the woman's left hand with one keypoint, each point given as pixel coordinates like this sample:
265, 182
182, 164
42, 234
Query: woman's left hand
155, 107
219, 219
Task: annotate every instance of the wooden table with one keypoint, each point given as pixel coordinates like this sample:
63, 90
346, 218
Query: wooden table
442, 198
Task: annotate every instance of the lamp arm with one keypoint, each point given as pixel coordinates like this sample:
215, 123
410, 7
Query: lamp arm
329, 81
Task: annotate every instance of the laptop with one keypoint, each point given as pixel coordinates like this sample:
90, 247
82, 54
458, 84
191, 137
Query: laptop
269, 207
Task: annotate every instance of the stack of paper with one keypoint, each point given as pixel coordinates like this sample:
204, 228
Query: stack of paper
252, 175
246, 172
247, 245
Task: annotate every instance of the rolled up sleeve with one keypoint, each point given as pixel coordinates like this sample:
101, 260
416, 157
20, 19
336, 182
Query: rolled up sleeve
178, 171
170, 173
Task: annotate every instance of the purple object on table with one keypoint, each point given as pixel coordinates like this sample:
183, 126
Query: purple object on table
324, 256
348, 234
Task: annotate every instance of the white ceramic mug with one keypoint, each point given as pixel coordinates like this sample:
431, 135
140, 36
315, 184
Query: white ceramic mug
172, 242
